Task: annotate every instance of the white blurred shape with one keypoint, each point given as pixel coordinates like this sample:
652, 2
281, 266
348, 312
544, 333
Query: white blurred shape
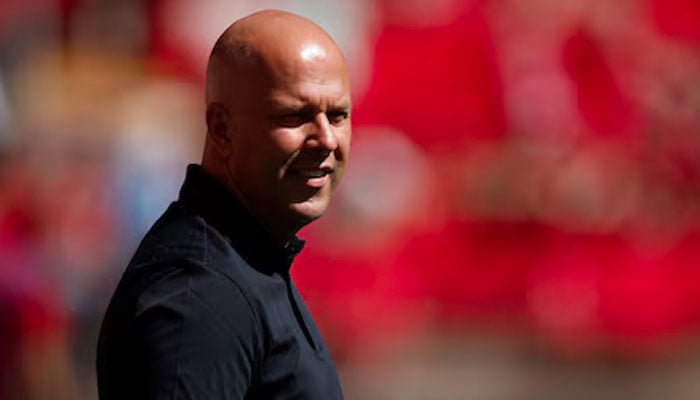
313, 52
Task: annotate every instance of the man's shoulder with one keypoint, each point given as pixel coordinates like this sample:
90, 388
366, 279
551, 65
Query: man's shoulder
183, 237
176, 235
182, 248
181, 265
170, 301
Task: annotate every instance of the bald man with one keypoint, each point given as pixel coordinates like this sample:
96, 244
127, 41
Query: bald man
206, 309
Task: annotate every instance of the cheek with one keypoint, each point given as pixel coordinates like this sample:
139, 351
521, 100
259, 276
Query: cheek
343, 151
283, 147
285, 142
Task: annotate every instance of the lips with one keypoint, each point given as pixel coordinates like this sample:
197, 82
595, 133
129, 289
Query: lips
313, 176
316, 173
311, 171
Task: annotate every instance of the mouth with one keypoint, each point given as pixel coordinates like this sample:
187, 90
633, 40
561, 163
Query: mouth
314, 177
314, 173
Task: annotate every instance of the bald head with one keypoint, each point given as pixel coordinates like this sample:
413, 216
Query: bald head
278, 118
269, 41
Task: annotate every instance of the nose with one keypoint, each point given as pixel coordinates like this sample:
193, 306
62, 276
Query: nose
323, 136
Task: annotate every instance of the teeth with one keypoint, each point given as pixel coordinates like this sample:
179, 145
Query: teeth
314, 174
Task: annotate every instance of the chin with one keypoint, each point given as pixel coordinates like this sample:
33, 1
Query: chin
309, 210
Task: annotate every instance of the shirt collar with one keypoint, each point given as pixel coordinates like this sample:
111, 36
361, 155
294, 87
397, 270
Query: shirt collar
202, 194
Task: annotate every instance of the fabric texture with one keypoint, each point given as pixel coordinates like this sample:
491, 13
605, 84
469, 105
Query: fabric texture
206, 309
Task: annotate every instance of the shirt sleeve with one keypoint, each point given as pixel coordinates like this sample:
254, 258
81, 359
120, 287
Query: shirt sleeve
196, 337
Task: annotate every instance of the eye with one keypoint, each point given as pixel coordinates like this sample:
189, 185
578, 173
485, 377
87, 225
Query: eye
336, 117
291, 120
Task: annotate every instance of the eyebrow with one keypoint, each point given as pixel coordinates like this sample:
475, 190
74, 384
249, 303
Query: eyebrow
284, 109
302, 107
344, 105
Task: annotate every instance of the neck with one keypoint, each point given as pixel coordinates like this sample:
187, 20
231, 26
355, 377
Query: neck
277, 233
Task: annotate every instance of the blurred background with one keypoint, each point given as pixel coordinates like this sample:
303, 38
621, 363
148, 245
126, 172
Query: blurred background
520, 218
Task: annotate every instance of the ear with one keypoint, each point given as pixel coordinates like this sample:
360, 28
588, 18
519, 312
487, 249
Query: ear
219, 127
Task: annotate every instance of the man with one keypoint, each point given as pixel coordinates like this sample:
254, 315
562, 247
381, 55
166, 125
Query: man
206, 308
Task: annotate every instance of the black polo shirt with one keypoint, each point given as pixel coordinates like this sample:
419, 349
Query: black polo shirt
206, 310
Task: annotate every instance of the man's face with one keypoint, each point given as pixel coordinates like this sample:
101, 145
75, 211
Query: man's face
290, 138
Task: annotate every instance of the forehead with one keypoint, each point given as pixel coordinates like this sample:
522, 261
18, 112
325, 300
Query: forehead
308, 60
303, 65
330, 90
311, 74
